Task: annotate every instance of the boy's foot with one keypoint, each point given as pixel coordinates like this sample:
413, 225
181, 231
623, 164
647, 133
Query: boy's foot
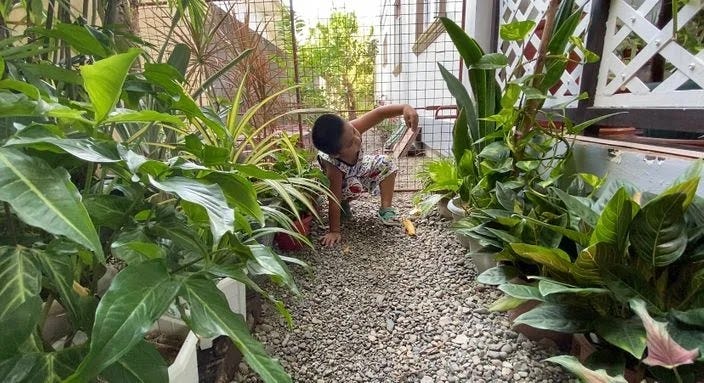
388, 216
346, 210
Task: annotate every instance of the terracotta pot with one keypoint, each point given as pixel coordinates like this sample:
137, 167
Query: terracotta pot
287, 243
562, 340
582, 347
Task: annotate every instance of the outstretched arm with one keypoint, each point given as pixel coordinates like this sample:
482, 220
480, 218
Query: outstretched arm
377, 115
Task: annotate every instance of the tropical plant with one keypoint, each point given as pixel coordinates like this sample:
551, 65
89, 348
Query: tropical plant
622, 247
102, 162
497, 136
440, 180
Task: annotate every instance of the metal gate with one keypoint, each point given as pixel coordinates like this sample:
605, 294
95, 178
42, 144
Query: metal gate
340, 60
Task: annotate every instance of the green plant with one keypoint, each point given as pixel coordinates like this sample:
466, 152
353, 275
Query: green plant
113, 162
440, 180
623, 246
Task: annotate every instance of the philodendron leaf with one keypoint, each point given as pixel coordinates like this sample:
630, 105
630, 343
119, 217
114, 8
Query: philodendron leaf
628, 335
137, 296
103, 81
548, 287
555, 259
525, 292
86, 149
142, 364
694, 317
211, 316
210, 197
547, 316
265, 262
240, 192
658, 232
613, 223
20, 305
58, 268
498, 275
662, 349
517, 30
46, 198
51, 367
506, 303
571, 364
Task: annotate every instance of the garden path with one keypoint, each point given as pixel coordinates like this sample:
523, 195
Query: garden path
386, 307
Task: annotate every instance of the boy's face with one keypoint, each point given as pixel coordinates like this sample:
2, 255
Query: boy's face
350, 142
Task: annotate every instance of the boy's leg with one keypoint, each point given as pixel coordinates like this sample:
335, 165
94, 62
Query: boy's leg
386, 189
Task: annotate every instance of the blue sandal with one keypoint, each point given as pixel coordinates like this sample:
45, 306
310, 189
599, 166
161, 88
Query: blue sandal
388, 216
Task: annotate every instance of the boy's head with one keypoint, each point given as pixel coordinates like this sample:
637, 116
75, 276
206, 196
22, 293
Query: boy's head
335, 136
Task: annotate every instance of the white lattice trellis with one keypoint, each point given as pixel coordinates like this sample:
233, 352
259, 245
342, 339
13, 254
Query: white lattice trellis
619, 84
520, 10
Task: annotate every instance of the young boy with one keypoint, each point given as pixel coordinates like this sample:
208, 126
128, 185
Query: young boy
349, 170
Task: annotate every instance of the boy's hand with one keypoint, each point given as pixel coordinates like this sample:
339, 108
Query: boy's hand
410, 116
331, 238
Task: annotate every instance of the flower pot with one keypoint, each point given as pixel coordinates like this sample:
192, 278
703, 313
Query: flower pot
286, 242
483, 259
184, 368
455, 208
442, 208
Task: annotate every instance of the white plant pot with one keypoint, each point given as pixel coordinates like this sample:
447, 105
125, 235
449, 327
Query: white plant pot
469, 243
185, 368
442, 208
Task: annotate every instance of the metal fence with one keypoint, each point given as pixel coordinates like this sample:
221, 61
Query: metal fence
339, 61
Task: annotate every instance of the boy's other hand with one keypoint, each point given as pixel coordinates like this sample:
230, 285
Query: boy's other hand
410, 116
331, 238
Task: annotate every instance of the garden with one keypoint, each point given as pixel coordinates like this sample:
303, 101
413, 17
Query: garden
156, 227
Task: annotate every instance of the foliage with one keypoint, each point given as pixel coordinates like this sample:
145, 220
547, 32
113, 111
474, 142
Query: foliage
104, 160
620, 253
343, 58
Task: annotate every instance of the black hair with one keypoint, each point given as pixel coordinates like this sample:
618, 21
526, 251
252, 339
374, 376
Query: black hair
326, 133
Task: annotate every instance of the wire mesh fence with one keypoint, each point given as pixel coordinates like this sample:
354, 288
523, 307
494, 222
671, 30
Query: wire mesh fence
340, 60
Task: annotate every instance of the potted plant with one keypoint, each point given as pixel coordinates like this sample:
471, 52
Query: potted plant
625, 253
440, 183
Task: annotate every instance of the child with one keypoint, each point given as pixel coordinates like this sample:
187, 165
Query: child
349, 170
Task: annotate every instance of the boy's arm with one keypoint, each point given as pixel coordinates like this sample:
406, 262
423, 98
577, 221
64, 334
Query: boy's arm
377, 115
335, 177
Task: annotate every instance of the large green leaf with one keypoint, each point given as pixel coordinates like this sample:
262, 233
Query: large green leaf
40, 367
108, 210
517, 30
103, 81
210, 197
612, 226
498, 275
79, 37
133, 252
59, 269
547, 316
240, 192
138, 295
211, 316
45, 198
658, 233
142, 364
571, 364
578, 207
628, 335
465, 103
87, 149
265, 262
182, 235
20, 305
627, 283
555, 259
694, 317
126, 115
548, 287
525, 292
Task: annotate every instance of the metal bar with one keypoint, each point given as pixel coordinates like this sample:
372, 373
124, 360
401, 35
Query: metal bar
294, 49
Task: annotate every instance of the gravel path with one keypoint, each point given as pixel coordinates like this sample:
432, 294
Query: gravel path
385, 307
